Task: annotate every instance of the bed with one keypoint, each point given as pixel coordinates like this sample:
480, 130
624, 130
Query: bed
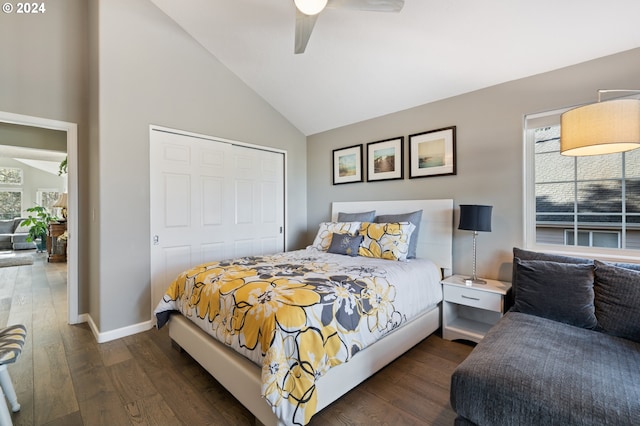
353, 356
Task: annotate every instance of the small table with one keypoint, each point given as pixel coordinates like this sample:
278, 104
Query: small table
469, 311
56, 248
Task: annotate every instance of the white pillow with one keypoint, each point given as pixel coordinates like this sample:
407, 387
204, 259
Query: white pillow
22, 229
386, 240
326, 230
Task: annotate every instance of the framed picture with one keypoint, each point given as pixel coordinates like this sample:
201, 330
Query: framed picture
384, 159
433, 153
347, 165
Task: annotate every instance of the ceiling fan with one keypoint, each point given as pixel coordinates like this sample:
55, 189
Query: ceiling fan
307, 13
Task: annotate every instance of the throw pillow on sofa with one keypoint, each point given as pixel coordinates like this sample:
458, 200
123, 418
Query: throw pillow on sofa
617, 299
535, 255
559, 291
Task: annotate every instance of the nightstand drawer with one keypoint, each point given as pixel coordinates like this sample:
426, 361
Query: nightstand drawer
471, 297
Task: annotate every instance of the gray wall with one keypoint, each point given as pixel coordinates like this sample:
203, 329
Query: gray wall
151, 72
33, 137
489, 153
43, 71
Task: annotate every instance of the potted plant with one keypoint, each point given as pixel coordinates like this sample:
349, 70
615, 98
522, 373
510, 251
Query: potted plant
38, 225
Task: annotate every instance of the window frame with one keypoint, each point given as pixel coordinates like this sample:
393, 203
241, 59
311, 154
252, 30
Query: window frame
529, 124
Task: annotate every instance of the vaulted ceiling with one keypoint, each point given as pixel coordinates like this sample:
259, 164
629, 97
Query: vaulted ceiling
359, 65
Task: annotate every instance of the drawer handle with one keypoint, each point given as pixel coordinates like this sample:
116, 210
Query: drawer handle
471, 298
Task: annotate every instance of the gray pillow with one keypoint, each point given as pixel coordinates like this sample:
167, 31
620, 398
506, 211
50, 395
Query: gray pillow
356, 217
534, 255
345, 244
413, 217
558, 291
617, 299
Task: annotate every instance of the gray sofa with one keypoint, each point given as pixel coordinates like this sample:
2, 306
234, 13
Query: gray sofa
13, 236
567, 353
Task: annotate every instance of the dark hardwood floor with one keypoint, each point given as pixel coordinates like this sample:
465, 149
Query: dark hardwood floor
64, 377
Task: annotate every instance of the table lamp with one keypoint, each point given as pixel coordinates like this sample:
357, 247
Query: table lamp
475, 218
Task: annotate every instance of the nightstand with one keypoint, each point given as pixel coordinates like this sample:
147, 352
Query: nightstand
469, 311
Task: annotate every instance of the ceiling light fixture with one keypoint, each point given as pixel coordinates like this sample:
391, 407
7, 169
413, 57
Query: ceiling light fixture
310, 7
601, 128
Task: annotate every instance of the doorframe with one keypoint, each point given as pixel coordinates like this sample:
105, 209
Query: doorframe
72, 198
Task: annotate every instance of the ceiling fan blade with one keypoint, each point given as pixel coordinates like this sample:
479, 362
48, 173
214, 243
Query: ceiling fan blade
304, 26
370, 5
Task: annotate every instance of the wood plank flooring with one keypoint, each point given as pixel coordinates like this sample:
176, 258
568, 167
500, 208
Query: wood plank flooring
64, 377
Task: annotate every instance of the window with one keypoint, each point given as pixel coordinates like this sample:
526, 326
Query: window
47, 197
593, 238
10, 203
10, 176
596, 198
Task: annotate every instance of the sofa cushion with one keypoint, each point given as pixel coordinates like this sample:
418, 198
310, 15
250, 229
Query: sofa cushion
617, 299
20, 228
6, 226
558, 291
534, 255
531, 370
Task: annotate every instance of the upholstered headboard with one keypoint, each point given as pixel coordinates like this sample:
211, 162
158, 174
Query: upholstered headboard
435, 240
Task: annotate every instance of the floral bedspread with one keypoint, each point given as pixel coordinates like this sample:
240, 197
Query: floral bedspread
297, 314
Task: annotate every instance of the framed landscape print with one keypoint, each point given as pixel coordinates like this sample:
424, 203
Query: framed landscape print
347, 165
433, 153
384, 159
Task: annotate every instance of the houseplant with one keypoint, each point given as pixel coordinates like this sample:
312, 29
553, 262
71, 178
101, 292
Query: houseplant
38, 225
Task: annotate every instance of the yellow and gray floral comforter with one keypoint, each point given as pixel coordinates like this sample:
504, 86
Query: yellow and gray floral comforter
299, 313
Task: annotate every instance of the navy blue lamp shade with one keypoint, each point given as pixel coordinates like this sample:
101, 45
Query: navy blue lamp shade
475, 217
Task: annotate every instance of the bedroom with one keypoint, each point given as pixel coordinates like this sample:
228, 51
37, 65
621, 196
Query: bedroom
116, 80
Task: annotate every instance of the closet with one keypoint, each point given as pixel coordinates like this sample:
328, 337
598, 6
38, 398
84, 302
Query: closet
211, 199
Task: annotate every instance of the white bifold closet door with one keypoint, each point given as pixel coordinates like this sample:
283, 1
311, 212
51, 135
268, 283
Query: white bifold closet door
210, 200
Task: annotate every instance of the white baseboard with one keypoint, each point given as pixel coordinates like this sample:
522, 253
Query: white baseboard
108, 336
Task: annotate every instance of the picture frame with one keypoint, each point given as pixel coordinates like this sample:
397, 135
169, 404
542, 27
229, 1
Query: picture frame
432, 153
347, 165
385, 159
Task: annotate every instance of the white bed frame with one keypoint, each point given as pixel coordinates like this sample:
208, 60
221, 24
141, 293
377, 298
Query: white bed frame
242, 377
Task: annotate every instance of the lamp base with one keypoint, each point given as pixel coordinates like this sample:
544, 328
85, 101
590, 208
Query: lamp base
472, 280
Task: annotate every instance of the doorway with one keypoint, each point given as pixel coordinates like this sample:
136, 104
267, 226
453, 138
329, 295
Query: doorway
71, 130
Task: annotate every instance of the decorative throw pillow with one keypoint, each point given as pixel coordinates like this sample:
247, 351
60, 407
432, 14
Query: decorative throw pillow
534, 255
345, 244
22, 229
327, 229
413, 217
386, 240
559, 291
617, 299
356, 217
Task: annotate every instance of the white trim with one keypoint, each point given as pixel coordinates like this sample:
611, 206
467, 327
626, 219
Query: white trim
118, 333
72, 200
